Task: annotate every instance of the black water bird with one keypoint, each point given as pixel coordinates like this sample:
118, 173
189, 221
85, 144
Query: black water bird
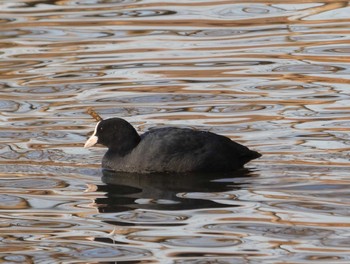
168, 149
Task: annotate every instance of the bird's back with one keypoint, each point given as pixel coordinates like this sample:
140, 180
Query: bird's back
181, 150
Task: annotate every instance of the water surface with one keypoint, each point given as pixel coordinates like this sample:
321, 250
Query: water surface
269, 74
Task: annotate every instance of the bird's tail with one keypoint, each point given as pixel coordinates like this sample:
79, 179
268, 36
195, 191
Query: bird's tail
250, 155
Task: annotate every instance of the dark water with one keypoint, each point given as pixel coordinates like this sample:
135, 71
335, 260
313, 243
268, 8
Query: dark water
271, 75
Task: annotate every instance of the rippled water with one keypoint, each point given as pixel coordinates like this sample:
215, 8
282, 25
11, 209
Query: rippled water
272, 75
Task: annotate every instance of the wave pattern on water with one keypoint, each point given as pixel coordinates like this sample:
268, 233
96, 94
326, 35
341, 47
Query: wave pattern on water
270, 74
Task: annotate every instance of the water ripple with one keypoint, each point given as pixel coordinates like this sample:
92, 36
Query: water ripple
271, 75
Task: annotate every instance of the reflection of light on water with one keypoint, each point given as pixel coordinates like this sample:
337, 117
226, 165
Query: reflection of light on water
273, 76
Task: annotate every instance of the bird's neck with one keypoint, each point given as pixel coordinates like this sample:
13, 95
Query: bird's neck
123, 148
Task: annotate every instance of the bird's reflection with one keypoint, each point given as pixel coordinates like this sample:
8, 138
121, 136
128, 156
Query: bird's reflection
127, 191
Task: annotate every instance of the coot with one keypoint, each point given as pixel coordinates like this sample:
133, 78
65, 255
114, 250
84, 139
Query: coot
167, 149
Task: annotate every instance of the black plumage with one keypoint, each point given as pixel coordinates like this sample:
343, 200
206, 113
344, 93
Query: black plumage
167, 149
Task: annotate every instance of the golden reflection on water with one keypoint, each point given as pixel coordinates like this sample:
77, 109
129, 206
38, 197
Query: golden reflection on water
270, 74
